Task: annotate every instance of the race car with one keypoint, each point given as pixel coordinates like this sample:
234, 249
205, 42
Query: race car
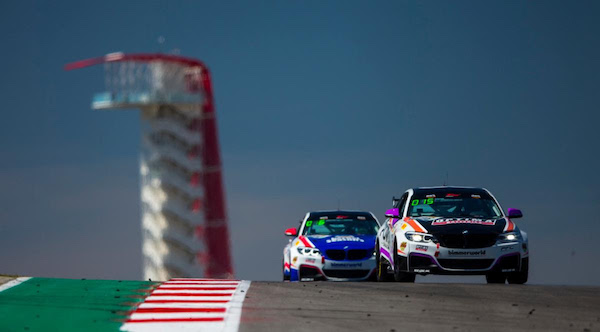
451, 230
331, 245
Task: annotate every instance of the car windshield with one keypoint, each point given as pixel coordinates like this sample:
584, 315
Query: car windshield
451, 205
347, 226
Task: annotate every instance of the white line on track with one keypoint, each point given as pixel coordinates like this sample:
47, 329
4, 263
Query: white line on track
228, 291
181, 305
189, 298
13, 283
176, 315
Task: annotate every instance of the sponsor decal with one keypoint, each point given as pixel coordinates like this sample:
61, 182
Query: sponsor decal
344, 238
361, 218
346, 264
341, 217
297, 243
422, 270
452, 195
475, 196
507, 248
430, 196
402, 246
466, 253
509, 270
294, 260
310, 260
404, 225
420, 247
451, 221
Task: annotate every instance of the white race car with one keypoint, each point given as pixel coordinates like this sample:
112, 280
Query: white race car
451, 230
331, 245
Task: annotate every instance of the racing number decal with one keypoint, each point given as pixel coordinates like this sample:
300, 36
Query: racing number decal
427, 201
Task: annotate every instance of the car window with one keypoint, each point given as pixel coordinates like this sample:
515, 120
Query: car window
346, 226
454, 206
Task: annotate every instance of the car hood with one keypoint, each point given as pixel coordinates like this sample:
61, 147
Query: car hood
444, 226
344, 242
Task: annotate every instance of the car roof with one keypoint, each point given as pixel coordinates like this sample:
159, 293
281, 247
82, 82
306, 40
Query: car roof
445, 189
354, 212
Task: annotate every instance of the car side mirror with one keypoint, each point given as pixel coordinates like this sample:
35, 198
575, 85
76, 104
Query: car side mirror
392, 213
291, 232
514, 213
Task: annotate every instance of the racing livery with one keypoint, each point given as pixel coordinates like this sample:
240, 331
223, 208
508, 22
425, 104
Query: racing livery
451, 230
331, 245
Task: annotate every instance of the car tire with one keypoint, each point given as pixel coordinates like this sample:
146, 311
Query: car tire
401, 276
285, 278
381, 268
520, 277
495, 278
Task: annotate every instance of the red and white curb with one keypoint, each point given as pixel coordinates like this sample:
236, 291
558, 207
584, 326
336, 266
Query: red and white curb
190, 305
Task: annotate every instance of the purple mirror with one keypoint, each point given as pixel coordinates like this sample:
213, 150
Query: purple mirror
514, 213
392, 213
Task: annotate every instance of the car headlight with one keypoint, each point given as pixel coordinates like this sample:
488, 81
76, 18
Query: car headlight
308, 251
509, 237
418, 237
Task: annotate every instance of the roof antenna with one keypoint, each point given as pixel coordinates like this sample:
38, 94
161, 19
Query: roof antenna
446, 181
338, 204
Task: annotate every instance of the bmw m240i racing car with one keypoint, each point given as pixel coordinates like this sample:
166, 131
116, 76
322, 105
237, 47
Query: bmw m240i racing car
451, 230
331, 245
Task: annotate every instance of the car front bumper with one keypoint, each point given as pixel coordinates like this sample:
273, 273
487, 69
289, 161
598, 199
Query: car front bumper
432, 259
308, 269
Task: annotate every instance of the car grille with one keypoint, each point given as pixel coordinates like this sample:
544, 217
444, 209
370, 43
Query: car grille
470, 241
351, 255
336, 254
356, 254
351, 274
465, 264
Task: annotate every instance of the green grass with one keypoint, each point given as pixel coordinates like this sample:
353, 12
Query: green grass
43, 304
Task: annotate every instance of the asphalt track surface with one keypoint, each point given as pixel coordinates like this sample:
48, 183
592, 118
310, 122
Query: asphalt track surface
369, 306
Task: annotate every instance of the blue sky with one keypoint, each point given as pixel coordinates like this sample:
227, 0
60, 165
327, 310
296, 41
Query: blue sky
317, 102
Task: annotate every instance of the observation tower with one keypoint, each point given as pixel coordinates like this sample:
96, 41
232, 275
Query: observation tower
184, 223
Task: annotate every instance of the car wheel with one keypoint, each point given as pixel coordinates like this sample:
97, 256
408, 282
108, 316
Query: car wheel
520, 277
400, 275
285, 278
381, 268
495, 278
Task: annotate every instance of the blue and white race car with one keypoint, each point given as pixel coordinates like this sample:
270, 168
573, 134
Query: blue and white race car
331, 245
451, 230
